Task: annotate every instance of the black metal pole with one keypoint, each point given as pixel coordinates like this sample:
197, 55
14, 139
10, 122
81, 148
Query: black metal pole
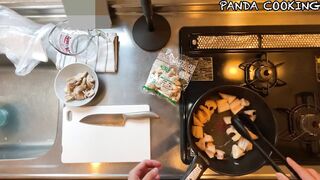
148, 13
151, 31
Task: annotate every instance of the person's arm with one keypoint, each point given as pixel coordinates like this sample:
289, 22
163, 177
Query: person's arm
146, 170
304, 173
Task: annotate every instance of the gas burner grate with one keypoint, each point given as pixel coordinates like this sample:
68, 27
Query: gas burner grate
261, 75
303, 122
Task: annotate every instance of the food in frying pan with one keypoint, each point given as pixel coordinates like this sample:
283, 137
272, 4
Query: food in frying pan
245, 102
219, 154
235, 135
252, 114
196, 121
236, 106
223, 105
79, 87
197, 131
244, 144
211, 105
252, 135
203, 115
227, 120
207, 113
237, 151
230, 102
201, 144
229, 98
210, 150
204, 142
207, 138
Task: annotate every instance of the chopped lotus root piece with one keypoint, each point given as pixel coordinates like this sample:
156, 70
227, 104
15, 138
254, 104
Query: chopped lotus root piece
231, 130
227, 120
236, 152
245, 102
219, 154
236, 106
252, 114
244, 144
210, 150
207, 138
201, 144
223, 105
229, 98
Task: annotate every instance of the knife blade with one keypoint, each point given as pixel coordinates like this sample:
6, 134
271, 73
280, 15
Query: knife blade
116, 119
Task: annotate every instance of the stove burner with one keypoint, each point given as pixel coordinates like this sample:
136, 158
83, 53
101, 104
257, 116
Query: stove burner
310, 123
261, 75
305, 122
264, 73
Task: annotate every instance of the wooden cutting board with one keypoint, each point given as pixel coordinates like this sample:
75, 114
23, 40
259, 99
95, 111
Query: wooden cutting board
84, 143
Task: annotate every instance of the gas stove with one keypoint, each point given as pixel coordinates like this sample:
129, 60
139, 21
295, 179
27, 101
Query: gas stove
280, 63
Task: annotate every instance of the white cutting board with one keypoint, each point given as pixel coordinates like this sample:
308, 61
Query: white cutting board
83, 143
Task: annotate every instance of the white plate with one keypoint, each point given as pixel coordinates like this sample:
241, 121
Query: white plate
67, 72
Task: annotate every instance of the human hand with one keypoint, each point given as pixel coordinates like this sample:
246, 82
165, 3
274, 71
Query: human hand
146, 170
304, 173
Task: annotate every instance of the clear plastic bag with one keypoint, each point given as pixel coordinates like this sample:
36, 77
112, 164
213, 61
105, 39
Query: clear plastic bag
22, 40
170, 75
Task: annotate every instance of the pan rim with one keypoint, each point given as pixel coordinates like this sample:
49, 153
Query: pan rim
189, 136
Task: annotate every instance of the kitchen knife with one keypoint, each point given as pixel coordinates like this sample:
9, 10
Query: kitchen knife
116, 119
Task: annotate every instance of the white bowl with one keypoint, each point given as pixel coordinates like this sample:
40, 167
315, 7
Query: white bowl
67, 72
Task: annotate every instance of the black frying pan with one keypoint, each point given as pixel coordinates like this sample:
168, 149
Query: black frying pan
216, 127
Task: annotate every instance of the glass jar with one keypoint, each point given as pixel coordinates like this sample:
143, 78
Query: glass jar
70, 41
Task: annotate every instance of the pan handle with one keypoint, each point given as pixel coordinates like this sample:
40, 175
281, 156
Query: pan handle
196, 168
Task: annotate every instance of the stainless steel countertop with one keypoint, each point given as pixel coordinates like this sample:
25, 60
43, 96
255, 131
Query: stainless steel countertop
124, 87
